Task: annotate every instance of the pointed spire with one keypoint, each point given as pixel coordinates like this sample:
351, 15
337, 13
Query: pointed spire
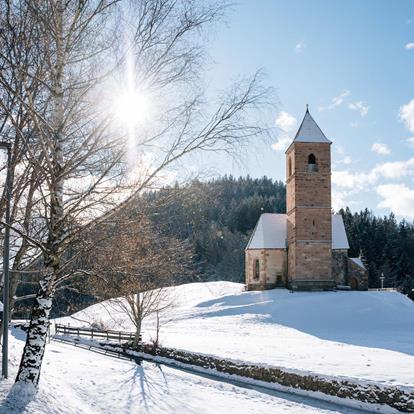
309, 130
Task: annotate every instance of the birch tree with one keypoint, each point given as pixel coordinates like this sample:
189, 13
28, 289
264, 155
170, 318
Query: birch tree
18, 61
86, 55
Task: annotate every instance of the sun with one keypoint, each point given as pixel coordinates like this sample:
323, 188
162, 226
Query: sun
132, 108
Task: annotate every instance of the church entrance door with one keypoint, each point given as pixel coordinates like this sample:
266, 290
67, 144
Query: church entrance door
354, 283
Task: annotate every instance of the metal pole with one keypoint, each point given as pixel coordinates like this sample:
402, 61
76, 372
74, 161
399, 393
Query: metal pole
6, 256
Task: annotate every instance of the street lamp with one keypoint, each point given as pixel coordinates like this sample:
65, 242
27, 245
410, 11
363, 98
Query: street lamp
6, 257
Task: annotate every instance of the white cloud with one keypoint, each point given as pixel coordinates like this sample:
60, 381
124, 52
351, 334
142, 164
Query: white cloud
411, 141
285, 121
406, 114
341, 199
398, 198
354, 124
300, 47
395, 169
281, 143
346, 179
409, 46
361, 180
380, 148
336, 101
346, 159
360, 107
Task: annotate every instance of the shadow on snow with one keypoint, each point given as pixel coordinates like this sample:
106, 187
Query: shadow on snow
371, 319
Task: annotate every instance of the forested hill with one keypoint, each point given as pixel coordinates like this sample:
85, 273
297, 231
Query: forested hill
218, 217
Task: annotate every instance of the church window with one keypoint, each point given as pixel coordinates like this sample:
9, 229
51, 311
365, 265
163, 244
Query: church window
290, 167
313, 222
312, 166
256, 269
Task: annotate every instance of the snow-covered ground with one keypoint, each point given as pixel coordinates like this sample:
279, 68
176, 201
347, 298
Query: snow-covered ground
363, 335
78, 381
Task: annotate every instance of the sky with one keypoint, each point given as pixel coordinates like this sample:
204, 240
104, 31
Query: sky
353, 63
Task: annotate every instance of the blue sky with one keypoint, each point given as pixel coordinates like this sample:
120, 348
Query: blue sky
353, 63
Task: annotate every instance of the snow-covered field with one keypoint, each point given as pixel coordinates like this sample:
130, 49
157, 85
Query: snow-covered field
78, 381
363, 335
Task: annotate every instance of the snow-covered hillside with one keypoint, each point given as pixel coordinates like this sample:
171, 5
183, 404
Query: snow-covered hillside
364, 335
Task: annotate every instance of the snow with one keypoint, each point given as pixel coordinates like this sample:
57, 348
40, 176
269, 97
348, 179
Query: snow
79, 381
358, 261
271, 230
366, 336
339, 238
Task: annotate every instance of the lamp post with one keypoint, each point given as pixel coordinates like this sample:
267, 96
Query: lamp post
382, 277
6, 257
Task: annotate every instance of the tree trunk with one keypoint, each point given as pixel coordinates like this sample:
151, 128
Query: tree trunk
157, 332
34, 349
137, 333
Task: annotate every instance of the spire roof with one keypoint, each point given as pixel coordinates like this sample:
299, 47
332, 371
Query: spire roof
309, 130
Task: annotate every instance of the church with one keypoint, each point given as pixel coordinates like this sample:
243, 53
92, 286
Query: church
306, 248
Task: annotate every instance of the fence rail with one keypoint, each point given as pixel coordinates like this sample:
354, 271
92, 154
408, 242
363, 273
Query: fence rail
95, 333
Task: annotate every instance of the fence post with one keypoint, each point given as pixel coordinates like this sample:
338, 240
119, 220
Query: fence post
92, 333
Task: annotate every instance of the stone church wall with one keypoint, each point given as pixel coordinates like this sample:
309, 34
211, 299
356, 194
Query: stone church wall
340, 266
312, 266
357, 276
272, 268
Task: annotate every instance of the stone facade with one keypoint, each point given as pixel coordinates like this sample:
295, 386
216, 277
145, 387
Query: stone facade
340, 267
357, 276
308, 189
272, 268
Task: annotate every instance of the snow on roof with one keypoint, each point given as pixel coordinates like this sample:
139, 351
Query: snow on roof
358, 261
309, 131
271, 231
339, 238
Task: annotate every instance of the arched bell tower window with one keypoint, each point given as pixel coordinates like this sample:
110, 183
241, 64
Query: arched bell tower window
312, 165
256, 269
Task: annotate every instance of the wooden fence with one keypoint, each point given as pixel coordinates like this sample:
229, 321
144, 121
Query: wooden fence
95, 333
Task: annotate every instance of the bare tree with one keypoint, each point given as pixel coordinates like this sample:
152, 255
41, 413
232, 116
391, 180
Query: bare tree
18, 62
79, 153
134, 265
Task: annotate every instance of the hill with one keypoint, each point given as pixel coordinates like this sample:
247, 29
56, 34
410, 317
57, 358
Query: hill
363, 335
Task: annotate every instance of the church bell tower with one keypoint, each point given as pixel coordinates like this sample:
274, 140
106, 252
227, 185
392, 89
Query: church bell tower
308, 208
